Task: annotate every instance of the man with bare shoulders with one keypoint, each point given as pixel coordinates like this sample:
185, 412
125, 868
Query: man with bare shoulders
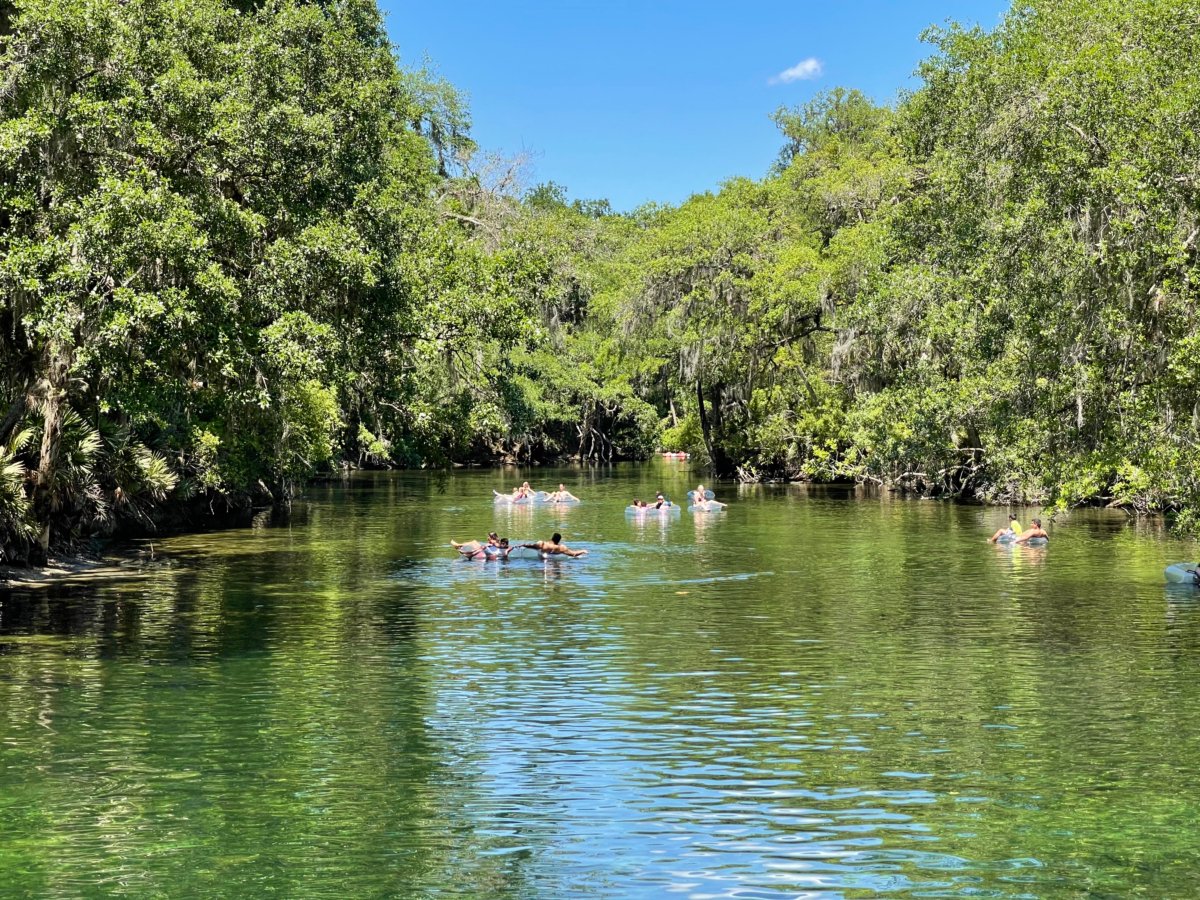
562, 495
1034, 532
554, 546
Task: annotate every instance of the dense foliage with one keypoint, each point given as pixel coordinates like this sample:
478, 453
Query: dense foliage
989, 291
239, 244
224, 259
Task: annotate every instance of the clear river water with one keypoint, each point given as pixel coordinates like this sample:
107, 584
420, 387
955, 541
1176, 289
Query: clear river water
810, 694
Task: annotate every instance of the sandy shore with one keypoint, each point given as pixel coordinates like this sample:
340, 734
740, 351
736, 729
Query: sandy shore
77, 568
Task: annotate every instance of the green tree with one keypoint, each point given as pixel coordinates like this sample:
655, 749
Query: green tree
217, 230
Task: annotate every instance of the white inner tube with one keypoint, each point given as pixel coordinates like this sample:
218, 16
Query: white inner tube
1181, 573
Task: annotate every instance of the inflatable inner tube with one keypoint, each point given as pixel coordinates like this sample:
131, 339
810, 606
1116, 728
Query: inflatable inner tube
1182, 573
476, 550
519, 552
498, 497
664, 510
1011, 540
544, 497
707, 506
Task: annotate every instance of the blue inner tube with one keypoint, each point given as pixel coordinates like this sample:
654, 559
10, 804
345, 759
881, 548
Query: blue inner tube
1182, 573
1011, 538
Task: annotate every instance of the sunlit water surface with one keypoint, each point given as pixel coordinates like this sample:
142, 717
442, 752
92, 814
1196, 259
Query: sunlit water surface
809, 694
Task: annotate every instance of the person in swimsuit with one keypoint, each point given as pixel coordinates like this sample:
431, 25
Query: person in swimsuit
472, 548
499, 550
700, 499
660, 501
562, 495
640, 504
1014, 528
554, 546
492, 541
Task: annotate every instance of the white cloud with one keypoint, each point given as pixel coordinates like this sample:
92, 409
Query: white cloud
802, 71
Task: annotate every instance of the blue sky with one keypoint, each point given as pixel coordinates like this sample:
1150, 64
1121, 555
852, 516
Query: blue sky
638, 102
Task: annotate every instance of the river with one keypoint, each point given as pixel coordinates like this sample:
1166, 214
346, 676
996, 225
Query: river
808, 694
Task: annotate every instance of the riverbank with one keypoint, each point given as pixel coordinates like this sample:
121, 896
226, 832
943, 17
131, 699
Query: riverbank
80, 568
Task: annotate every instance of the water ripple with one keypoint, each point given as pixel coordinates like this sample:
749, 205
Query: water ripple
809, 697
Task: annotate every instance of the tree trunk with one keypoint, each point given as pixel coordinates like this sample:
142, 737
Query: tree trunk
53, 390
722, 465
704, 426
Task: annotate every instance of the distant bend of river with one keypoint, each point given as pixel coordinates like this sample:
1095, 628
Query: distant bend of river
805, 695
